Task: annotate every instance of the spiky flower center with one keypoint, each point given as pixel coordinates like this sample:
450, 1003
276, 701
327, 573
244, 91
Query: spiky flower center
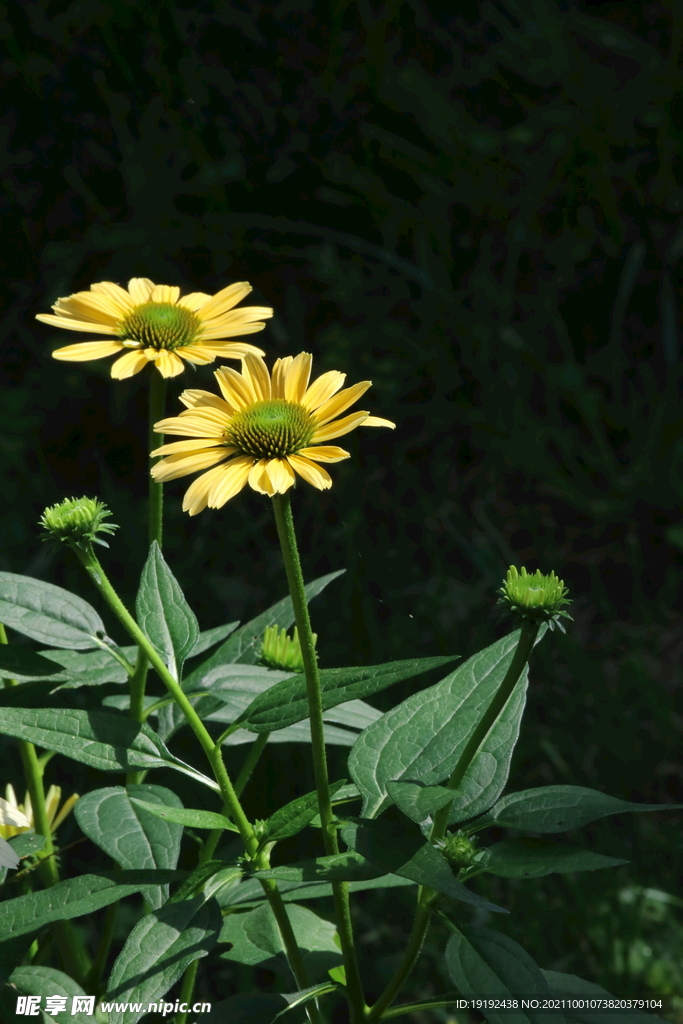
160, 325
271, 429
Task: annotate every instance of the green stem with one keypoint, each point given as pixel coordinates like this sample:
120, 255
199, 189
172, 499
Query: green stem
72, 953
525, 644
155, 515
157, 407
106, 939
186, 990
213, 752
290, 554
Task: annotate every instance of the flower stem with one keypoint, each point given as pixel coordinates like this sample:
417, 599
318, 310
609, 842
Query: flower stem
157, 407
290, 553
525, 644
214, 755
72, 953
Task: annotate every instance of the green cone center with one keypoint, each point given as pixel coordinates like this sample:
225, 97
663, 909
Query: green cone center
160, 325
271, 429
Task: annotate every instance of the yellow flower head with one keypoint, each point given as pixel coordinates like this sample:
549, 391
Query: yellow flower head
264, 430
150, 323
16, 818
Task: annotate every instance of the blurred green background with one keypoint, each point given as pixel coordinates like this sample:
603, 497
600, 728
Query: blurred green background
482, 212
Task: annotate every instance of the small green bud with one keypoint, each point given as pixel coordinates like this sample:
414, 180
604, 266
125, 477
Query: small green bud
281, 651
458, 849
77, 521
534, 596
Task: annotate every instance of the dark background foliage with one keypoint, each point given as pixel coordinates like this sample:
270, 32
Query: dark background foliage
482, 212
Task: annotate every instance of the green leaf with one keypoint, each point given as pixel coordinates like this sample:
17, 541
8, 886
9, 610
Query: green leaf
132, 836
533, 858
568, 986
294, 816
47, 613
250, 893
208, 637
421, 739
255, 939
186, 816
340, 867
46, 981
74, 897
158, 951
418, 801
305, 995
287, 702
403, 850
485, 963
91, 669
27, 843
559, 808
21, 664
102, 739
211, 876
164, 614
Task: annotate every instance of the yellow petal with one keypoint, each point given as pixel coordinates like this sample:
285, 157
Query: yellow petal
324, 453
258, 478
140, 289
168, 363
279, 374
236, 390
85, 350
165, 293
254, 370
231, 481
298, 376
181, 464
196, 354
377, 421
194, 301
69, 324
68, 805
229, 331
339, 427
95, 306
281, 474
312, 473
196, 496
195, 398
324, 387
224, 300
341, 402
191, 445
129, 365
204, 421
117, 295
10, 815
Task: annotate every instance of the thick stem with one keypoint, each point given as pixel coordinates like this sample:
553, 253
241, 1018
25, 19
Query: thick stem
525, 644
290, 554
213, 753
72, 953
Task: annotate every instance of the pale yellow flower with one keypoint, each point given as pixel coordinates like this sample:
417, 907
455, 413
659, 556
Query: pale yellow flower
151, 323
16, 818
266, 429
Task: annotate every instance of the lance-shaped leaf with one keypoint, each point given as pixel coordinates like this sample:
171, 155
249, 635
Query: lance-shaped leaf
132, 836
21, 664
294, 816
186, 816
403, 850
569, 987
46, 981
47, 613
533, 858
421, 739
287, 702
339, 867
158, 951
418, 801
559, 808
485, 963
249, 892
255, 939
164, 614
74, 897
102, 739
92, 668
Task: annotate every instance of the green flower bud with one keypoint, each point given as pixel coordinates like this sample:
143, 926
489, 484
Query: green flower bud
281, 651
534, 596
77, 521
458, 849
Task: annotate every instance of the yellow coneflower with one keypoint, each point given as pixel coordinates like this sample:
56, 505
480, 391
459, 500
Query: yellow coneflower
151, 323
16, 818
10, 816
269, 428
